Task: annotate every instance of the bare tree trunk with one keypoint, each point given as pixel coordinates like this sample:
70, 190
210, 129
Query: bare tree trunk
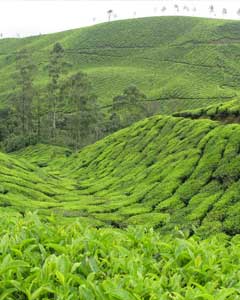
54, 119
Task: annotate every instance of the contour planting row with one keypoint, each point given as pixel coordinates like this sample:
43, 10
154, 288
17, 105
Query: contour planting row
162, 171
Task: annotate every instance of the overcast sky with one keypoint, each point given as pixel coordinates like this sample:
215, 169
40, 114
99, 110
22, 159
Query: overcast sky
31, 17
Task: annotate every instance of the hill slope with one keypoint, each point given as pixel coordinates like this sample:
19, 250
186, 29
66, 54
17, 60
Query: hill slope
179, 62
162, 172
224, 112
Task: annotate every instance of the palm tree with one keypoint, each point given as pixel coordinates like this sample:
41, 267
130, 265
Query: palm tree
109, 12
176, 7
224, 11
211, 8
163, 9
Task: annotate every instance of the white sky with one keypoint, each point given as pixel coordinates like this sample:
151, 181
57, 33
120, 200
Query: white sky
31, 17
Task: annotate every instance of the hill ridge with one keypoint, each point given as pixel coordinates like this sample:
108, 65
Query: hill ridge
116, 63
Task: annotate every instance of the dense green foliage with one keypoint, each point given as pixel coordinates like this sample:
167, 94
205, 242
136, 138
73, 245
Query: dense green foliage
127, 108
45, 260
224, 112
178, 62
162, 171
123, 218
33, 118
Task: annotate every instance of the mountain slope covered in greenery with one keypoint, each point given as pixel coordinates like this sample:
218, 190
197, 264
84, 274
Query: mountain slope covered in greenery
178, 62
162, 172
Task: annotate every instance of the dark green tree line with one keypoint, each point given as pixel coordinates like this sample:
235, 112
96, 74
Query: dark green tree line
85, 120
41, 115
127, 108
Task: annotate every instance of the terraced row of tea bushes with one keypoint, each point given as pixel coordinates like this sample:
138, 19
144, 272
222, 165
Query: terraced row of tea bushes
225, 112
47, 260
163, 172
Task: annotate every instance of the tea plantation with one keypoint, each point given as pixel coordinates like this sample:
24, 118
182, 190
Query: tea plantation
178, 62
68, 221
224, 112
151, 212
161, 172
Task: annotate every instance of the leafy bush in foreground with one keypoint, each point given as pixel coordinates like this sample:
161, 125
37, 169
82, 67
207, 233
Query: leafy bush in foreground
47, 260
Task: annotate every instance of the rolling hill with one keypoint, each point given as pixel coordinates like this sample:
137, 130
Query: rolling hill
161, 172
63, 215
179, 62
149, 212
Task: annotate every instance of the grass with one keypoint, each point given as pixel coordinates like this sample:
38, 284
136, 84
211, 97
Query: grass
179, 62
48, 260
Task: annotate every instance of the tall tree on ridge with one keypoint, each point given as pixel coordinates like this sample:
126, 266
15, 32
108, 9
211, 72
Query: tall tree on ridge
85, 119
163, 9
176, 6
211, 8
23, 104
224, 11
55, 69
109, 12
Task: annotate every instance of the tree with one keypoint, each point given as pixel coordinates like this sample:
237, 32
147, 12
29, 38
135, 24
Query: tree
109, 12
176, 7
85, 119
128, 108
38, 112
163, 9
238, 12
211, 8
23, 102
224, 11
55, 69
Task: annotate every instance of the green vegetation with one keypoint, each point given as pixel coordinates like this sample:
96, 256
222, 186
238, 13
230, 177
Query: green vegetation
127, 108
178, 62
32, 119
40, 260
162, 172
149, 212
224, 112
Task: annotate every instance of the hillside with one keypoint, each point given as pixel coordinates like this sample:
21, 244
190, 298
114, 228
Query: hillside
179, 62
224, 112
161, 172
